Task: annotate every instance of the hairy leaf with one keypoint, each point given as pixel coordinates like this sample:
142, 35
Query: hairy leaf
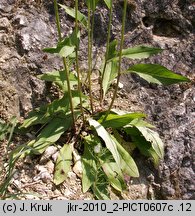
63, 164
157, 74
110, 143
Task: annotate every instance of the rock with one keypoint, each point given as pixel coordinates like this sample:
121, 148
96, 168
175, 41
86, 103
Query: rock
9, 100
43, 174
21, 20
4, 24
55, 156
77, 168
50, 151
50, 167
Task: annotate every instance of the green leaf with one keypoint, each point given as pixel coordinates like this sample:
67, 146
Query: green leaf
110, 74
157, 74
110, 143
142, 144
128, 165
7, 127
150, 136
35, 117
45, 113
118, 121
63, 164
100, 189
56, 76
66, 47
93, 175
138, 122
92, 4
58, 108
108, 3
88, 163
59, 78
111, 68
115, 176
140, 52
71, 12
153, 137
112, 51
51, 133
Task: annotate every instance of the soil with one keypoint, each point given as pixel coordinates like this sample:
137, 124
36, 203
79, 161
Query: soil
28, 26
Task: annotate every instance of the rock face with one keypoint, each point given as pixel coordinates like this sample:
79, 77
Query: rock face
169, 25
26, 28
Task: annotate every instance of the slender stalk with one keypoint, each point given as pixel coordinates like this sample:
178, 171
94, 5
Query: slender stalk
57, 20
90, 56
120, 59
77, 61
66, 70
106, 54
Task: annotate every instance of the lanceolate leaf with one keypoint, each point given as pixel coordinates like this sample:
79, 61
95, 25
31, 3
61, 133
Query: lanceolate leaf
108, 3
51, 133
56, 76
138, 122
111, 69
58, 108
63, 164
112, 51
157, 74
71, 12
110, 143
140, 52
115, 176
118, 121
142, 144
59, 78
92, 4
100, 188
110, 75
88, 163
153, 137
146, 148
128, 165
66, 47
